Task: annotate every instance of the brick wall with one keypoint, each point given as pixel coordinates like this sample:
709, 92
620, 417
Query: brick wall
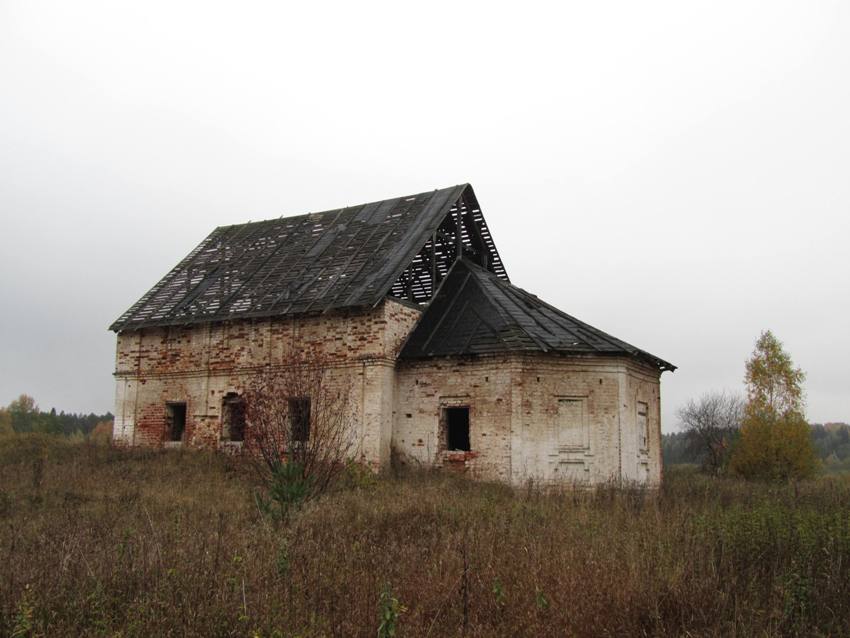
484, 385
642, 385
200, 364
518, 405
515, 406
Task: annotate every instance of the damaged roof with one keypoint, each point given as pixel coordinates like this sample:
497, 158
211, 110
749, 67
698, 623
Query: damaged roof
348, 257
475, 312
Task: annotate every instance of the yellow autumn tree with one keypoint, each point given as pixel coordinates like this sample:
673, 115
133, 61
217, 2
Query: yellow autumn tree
775, 441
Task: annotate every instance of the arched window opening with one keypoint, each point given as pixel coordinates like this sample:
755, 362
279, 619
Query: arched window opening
233, 418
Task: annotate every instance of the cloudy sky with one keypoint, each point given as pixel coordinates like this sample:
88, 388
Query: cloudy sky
676, 173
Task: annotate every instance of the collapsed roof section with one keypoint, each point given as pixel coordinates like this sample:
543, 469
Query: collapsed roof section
350, 257
476, 312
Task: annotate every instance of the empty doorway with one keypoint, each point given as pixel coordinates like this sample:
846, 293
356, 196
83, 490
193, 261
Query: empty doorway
457, 428
175, 421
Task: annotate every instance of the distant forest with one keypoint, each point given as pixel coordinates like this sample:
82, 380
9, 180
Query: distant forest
23, 415
831, 442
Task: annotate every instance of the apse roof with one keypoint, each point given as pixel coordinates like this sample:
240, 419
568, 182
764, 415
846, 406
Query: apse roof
476, 312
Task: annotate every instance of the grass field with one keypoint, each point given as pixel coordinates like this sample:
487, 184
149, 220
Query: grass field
102, 542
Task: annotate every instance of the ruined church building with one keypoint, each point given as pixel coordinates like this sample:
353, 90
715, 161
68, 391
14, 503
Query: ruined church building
448, 362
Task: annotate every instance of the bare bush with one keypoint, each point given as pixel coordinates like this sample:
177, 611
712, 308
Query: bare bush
299, 429
711, 423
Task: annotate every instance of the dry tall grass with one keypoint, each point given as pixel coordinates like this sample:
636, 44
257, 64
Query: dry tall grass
97, 541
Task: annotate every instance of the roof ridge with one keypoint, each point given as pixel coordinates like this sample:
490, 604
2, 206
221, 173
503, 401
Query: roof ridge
342, 208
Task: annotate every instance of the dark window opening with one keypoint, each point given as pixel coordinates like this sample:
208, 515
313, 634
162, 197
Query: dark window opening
233, 418
299, 418
457, 428
175, 418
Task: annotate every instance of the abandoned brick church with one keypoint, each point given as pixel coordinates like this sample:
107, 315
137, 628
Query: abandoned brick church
448, 362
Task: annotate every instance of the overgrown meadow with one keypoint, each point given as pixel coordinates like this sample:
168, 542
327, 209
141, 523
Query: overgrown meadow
96, 541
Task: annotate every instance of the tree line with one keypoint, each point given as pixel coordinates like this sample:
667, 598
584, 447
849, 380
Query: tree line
831, 443
23, 415
763, 434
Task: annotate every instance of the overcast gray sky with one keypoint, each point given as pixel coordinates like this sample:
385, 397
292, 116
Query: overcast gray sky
677, 174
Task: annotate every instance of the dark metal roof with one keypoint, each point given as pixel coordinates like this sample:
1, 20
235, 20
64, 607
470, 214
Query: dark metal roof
475, 312
350, 257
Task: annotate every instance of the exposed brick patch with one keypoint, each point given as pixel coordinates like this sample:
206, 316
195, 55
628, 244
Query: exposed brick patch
199, 364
